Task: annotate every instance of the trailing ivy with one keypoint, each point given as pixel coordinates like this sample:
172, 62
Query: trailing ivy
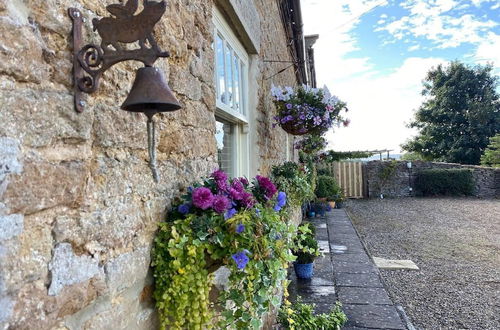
229, 223
293, 179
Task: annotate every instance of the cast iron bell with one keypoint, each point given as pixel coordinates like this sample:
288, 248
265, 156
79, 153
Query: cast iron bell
150, 93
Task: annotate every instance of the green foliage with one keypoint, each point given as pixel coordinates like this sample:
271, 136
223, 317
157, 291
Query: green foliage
311, 144
412, 156
300, 316
327, 187
294, 181
444, 182
491, 156
461, 112
305, 246
186, 250
335, 156
182, 283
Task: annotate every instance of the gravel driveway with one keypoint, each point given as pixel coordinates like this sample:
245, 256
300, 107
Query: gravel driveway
456, 244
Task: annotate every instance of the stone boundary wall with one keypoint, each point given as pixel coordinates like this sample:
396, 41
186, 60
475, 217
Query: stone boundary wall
486, 179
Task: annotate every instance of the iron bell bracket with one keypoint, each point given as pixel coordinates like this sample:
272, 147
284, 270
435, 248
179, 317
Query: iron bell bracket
91, 61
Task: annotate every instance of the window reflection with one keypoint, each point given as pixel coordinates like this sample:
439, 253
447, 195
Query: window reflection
225, 145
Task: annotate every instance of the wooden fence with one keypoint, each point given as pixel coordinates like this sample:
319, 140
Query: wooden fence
350, 177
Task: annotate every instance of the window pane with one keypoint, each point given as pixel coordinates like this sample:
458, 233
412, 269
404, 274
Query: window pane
229, 76
236, 88
225, 146
221, 86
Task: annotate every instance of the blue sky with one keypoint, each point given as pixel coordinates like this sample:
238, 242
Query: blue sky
373, 54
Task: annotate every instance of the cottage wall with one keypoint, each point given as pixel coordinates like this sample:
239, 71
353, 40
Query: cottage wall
78, 205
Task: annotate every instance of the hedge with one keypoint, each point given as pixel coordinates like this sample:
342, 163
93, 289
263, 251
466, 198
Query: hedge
452, 182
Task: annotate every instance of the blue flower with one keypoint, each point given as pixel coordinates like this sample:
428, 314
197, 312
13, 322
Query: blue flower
184, 209
240, 228
280, 201
241, 259
257, 211
230, 213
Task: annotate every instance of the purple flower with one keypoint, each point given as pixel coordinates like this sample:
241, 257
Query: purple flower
247, 200
184, 209
243, 180
267, 185
240, 228
230, 213
317, 120
221, 180
202, 198
289, 106
241, 259
234, 194
221, 204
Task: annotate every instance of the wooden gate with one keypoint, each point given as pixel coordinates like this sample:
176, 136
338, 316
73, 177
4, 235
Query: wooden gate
350, 177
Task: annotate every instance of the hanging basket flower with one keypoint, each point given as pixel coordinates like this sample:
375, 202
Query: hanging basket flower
311, 144
306, 110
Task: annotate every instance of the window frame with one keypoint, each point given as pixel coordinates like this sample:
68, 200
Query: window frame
222, 28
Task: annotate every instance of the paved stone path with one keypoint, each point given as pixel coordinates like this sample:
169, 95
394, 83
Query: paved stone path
346, 273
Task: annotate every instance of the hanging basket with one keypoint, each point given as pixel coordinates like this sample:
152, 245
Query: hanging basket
291, 127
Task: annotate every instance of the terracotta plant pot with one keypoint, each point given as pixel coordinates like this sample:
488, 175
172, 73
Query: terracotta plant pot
332, 204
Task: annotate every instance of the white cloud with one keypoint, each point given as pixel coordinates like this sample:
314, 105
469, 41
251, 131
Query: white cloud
478, 3
488, 50
413, 48
334, 20
433, 21
380, 107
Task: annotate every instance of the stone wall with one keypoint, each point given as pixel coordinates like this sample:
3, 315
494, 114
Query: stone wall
486, 179
78, 205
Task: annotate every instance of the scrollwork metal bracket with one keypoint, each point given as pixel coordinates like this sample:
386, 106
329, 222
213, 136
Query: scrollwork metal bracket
91, 61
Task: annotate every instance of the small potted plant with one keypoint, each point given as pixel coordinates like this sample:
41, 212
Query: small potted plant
331, 201
339, 199
306, 250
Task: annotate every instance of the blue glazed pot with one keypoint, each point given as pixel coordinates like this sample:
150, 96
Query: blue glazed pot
303, 270
312, 214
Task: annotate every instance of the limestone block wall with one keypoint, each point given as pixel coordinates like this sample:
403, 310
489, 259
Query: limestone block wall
78, 205
486, 179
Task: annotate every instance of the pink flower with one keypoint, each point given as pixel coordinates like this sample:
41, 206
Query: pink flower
202, 198
267, 185
221, 204
221, 180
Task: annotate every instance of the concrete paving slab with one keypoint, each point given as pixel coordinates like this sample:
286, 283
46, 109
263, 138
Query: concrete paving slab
324, 246
394, 264
369, 280
322, 234
354, 268
314, 294
346, 249
373, 316
374, 296
353, 257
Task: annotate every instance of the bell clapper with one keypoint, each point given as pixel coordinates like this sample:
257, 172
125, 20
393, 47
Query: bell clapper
152, 147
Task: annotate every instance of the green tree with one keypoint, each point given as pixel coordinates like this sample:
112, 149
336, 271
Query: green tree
491, 156
460, 113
